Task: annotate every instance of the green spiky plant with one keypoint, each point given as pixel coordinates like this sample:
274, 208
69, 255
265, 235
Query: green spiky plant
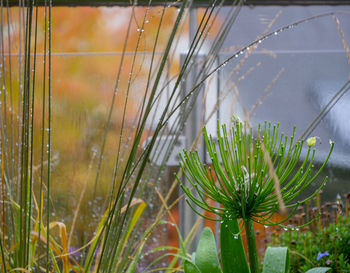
251, 178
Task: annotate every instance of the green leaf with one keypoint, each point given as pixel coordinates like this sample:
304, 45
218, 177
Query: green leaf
190, 267
318, 270
193, 257
233, 256
135, 261
206, 258
95, 241
135, 218
276, 260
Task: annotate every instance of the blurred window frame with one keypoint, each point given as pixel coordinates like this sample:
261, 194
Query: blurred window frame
197, 3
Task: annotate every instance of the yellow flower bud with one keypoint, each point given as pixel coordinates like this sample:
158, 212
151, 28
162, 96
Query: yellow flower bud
311, 141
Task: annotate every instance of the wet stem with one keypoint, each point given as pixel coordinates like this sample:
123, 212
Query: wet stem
251, 243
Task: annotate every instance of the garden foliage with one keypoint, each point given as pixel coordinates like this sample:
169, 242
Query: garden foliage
253, 174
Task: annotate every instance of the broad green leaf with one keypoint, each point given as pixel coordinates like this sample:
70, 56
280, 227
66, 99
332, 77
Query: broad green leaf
190, 267
276, 260
233, 256
318, 270
206, 258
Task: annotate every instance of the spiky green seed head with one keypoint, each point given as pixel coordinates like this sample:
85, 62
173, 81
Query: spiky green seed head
245, 170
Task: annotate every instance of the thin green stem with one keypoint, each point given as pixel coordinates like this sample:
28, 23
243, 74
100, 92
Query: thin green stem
49, 138
2, 256
251, 243
43, 127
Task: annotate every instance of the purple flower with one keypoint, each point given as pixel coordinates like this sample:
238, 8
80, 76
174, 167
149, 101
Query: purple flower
321, 255
75, 253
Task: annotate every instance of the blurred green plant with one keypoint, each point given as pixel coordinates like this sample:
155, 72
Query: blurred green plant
325, 243
206, 260
251, 178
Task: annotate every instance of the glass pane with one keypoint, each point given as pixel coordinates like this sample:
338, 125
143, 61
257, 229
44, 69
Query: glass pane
289, 77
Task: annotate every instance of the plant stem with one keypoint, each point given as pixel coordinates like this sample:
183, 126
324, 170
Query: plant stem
252, 251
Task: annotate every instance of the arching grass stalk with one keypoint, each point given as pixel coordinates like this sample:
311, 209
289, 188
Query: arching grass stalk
243, 184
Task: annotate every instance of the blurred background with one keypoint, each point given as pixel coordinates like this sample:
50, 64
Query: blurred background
287, 78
